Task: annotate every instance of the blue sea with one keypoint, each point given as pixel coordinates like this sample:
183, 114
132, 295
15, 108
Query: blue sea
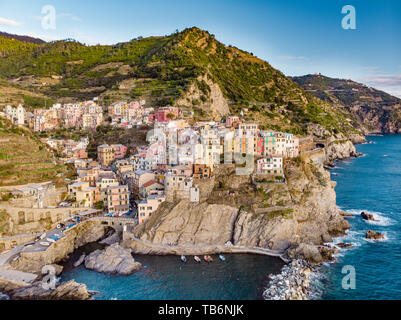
240, 277
371, 183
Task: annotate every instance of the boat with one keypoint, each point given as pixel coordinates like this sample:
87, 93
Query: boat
222, 258
385, 155
51, 240
208, 259
44, 244
183, 258
197, 259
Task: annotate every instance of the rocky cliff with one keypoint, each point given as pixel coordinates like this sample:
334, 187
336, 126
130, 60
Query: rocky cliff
371, 110
66, 291
253, 211
85, 232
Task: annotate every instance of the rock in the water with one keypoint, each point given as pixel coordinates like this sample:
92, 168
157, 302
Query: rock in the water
70, 290
80, 260
114, 259
327, 253
374, 235
344, 245
367, 216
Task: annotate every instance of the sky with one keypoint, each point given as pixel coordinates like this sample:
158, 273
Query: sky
295, 36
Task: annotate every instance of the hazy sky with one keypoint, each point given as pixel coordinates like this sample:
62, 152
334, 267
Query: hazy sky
296, 36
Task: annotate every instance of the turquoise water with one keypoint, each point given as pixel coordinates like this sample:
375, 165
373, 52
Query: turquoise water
373, 184
167, 278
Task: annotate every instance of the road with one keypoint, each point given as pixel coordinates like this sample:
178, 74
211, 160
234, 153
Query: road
18, 276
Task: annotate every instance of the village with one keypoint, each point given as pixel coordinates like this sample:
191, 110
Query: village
166, 169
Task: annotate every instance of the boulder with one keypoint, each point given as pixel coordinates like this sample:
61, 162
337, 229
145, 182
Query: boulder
70, 290
374, 235
305, 251
114, 259
367, 216
344, 245
327, 253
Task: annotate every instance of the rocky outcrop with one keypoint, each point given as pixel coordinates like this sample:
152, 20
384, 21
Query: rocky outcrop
344, 245
66, 291
293, 283
367, 216
374, 235
338, 150
83, 233
114, 259
215, 105
296, 216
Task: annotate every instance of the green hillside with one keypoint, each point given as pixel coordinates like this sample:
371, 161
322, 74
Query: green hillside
24, 159
163, 69
373, 109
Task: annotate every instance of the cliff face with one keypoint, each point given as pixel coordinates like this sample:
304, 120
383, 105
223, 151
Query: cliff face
253, 212
82, 234
371, 110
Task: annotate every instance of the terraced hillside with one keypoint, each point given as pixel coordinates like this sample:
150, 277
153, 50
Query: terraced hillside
24, 159
190, 69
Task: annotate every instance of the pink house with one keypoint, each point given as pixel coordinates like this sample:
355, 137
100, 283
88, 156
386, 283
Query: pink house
163, 114
117, 199
232, 121
119, 151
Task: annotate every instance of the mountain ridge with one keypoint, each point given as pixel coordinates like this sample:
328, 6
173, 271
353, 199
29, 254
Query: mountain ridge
374, 110
190, 69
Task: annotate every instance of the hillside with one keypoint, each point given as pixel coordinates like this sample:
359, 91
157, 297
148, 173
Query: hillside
190, 69
22, 38
374, 110
24, 159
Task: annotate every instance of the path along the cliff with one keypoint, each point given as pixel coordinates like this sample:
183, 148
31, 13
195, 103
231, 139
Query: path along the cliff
157, 248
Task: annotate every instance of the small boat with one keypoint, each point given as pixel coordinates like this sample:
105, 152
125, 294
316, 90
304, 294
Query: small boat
222, 258
385, 155
51, 240
183, 259
208, 259
197, 259
44, 244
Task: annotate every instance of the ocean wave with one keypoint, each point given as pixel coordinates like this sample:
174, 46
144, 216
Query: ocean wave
380, 219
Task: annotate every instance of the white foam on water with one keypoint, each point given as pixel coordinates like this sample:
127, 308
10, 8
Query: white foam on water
380, 218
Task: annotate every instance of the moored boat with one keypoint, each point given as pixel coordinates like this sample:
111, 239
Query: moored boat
183, 258
208, 259
222, 258
197, 259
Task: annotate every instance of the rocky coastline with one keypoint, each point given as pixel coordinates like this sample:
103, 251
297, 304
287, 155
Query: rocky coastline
314, 220
293, 283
